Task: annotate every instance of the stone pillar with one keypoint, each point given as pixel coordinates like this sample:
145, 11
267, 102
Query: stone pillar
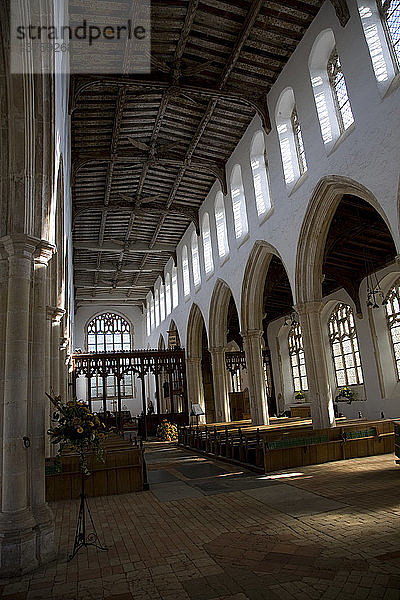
320, 392
221, 398
40, 407
256, 376
17, 523
3, 323
195, 385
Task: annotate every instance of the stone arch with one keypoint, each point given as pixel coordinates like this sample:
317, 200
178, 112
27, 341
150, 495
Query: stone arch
324, 202
161, 342
173, 328
194, 332
117, 312
219, 314
253, 285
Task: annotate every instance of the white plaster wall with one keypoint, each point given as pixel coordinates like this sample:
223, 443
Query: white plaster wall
368, 154
133, 315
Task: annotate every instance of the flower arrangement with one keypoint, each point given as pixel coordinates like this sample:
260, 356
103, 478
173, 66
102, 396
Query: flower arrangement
300, 395
77, 427
345, 394
167, 432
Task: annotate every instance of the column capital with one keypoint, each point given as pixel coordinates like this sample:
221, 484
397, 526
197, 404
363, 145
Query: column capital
397, 259
54, 314
217, 349
193, 360
309, 307
19, 244
252, 334
43, 253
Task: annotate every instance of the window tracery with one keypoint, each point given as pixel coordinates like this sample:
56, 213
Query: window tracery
392, 307
339, 92
297, 359
344, 345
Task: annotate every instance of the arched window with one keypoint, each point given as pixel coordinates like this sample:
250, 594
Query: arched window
260, 174
238, 203
152, 313
195, 260
290, 137
168, 293
162, 303
157, 307
344, 344
220, 223
390, 14
380, 21
109, 332
393, 321
175, 291
185, 271
148, 323
329, 87
297, 361
339, 92
207, 246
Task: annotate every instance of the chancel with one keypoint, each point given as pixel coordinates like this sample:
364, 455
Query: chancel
199, 266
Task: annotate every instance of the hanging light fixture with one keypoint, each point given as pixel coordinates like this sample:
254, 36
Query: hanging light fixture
375, 296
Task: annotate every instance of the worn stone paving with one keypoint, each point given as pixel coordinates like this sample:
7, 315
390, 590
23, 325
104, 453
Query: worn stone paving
206, 530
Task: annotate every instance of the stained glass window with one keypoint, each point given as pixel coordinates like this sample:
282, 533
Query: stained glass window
344, 345
298, 141
109, 332
297, 360
339, 89
393, 321
390, 11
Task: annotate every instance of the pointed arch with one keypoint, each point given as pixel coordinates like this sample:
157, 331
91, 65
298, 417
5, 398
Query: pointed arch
253, 284
173, 328
161, 342
194, 332
219, 314
310, 252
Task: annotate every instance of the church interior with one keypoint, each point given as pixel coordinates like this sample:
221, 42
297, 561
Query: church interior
200, 300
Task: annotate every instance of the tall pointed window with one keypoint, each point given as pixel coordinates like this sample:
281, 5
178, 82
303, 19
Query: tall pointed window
220, 222
207, 245
148, 324
260, 174
185, 271
157, 307
339, 92
393, 321
344, 345
298, 141
390, 13
162, 303
168, 293
238, 203
152, 313
195, 260
297, 361
175, 292
109, 332
290, 138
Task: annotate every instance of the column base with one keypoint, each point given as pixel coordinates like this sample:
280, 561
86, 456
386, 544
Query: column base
25, 543
45, 546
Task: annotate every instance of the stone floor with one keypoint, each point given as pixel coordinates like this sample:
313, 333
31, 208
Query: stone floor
207, 530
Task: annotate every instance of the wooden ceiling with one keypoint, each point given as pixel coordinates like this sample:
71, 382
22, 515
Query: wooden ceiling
147, 148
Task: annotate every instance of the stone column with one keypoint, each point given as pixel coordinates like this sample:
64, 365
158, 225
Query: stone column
221, 398
195, 384
3, 323
40, 407
320, 392
256, 376
17, 524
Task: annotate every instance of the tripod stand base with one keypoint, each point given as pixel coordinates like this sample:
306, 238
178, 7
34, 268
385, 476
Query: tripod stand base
83, 540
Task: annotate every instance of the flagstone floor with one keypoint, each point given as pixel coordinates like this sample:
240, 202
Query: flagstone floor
209, 531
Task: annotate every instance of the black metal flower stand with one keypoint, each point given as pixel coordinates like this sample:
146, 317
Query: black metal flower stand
83, 539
